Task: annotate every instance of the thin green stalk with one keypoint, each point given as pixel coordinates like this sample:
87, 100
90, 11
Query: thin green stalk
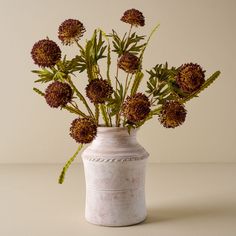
97, 113
78, 110
116, 77
149, 38
108, 56
104, 115
126, 91
74, 110
80, 47
126, 85
130, 30
80, 96
109, 116
117, 74
67, 165
156, 111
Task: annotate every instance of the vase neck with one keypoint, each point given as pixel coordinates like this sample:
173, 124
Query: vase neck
115, 134
114, 143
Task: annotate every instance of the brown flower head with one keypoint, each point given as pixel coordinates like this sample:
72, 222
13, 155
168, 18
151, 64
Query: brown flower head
172, 114
136, 108
98, 90
70, 31
46, 53
129, 63
83, 130
58, 94
133, 17
190, 77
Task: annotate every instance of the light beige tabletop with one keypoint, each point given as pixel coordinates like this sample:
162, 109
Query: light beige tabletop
182, 200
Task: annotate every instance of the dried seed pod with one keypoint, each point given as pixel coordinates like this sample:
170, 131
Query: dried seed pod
70, 31
136, 108
190, 77
98, 90
129, 63
83, 130
58, 94
133, 17
46, 53
172, 114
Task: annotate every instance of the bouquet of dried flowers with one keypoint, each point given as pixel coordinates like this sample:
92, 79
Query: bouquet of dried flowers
113, 98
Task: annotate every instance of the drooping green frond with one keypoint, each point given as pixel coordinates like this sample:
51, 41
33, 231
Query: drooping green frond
208, 82
67, 165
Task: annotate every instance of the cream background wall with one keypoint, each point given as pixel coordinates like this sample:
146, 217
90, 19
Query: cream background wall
202, 31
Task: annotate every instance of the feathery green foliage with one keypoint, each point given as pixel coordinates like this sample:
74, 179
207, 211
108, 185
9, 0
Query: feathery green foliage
127, 43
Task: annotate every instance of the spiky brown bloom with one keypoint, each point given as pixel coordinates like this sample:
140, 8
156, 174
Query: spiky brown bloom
98, 90
58, 94
172, 114
70, 31
129, 63
46, 53
83, 130
190, 77
133, 17
136, 108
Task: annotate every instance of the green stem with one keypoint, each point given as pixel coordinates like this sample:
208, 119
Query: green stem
109, 115
126, 82
75, 111
156, 111
149, 38
80, 96
97, 113
80, 47
117, 74
104, 115
116, 77
67, 165
130, 30
127, 85
108, 55
78, 110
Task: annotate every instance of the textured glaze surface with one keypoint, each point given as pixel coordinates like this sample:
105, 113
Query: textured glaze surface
115, 178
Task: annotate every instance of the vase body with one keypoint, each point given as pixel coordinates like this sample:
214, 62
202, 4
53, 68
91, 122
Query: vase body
114, 166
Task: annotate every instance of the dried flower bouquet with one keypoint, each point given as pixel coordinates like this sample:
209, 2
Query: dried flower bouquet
113, 99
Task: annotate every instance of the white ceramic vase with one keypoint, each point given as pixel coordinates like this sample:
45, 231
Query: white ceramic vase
114, 165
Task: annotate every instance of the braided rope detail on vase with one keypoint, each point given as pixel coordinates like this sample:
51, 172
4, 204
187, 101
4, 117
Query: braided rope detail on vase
99, 159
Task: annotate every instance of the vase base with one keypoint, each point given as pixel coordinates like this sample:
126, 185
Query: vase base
123, 224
